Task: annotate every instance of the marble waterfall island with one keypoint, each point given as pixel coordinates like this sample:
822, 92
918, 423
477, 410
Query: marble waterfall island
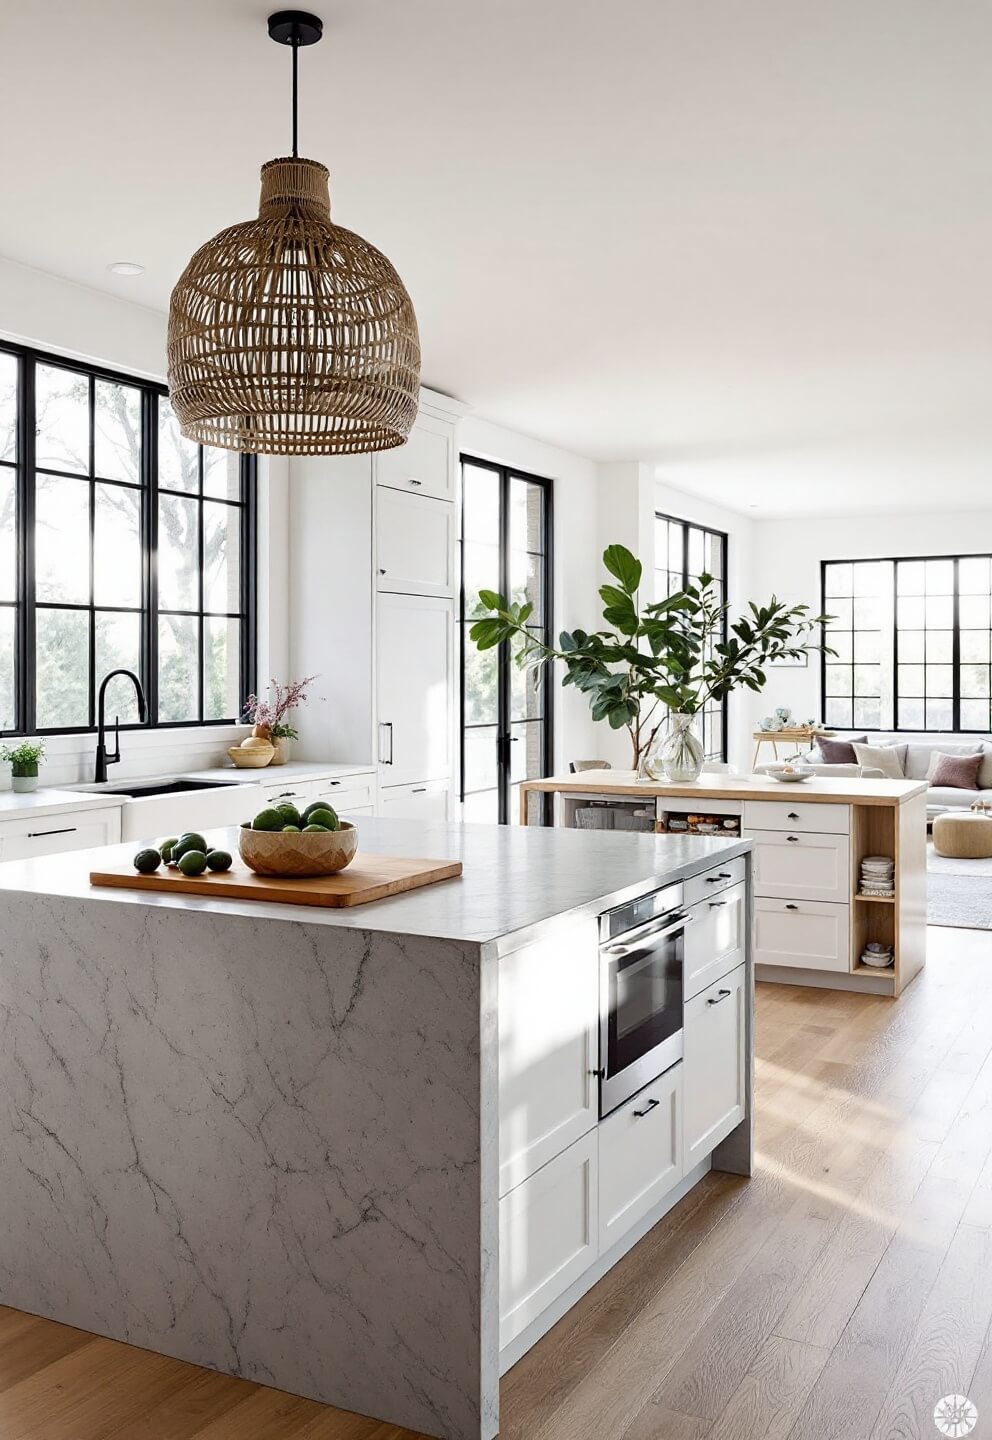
267, 1139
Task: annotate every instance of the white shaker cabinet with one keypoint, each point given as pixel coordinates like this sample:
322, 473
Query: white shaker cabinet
415, 688
548, 1235
30, 838
428, 801
715, 1064
415, 546
640, 1155
548, 1048
425, 465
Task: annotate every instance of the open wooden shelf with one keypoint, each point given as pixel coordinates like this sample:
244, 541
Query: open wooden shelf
861, 969
877, 899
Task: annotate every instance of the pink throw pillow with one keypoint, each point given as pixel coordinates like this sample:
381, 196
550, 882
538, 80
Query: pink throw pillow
958, 771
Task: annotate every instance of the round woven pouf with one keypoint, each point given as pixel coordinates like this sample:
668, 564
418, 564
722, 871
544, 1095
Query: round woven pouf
963, 837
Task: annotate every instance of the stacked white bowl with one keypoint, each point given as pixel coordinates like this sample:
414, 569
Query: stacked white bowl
878, 876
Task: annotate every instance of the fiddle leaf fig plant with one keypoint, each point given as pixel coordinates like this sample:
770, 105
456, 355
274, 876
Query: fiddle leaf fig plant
670, 654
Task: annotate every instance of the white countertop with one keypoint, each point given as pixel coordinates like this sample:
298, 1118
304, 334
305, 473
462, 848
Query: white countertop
51, 801
293, 770
514, 878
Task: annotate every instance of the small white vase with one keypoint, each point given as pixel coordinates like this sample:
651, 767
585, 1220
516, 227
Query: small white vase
283, 748
24, 784
681, 752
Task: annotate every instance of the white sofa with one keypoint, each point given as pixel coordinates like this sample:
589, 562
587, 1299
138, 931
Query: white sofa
916, 756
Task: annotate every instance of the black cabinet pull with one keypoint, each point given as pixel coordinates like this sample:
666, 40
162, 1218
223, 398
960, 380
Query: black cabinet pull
419, 790
723, 995
793, 839
792, 815
599, 1074
40, 834
651, 1105
789, 905
715, 879
717, 904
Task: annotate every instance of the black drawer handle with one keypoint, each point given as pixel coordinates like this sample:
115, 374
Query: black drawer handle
789, 906
723, 995
715, 879
419, 790
599, 1074
40, 834
717, 904
651, 1105
793, 839
792, 815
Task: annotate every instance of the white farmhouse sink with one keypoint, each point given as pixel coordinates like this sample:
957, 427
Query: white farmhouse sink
167, 805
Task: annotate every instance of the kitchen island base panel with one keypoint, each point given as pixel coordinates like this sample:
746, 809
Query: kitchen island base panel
863, 982
269, 1150
516, 1348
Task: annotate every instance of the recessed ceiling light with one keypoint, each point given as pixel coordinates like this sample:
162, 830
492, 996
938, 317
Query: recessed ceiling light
126, 267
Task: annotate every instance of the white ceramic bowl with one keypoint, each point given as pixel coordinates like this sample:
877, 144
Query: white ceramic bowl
297, 854
795, 776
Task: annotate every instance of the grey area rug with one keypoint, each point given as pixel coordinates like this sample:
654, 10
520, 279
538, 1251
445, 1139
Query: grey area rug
959, 892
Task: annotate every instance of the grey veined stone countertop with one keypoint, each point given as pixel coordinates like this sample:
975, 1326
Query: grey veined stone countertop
514, 878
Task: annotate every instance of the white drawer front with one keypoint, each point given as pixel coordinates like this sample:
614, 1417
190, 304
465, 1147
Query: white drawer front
640, 1155
792, 865
804, 933
423, 465
299, 792
714, 1065
794, 815
53, 834
547, 1235
346, 795
715, 940
415, 802
712, 882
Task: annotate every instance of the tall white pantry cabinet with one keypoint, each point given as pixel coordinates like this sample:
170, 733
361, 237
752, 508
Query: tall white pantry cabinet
373, 586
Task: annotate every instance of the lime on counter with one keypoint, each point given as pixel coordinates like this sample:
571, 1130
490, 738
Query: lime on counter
192, 862
146, 862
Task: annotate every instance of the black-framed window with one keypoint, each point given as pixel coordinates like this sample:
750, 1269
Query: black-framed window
121, 545
913, 643
683, 551
506, 714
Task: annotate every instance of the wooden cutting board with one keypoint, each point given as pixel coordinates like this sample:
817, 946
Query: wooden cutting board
368, 877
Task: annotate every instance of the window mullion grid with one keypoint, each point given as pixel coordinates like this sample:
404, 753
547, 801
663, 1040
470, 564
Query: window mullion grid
92, 555
24, 660
201, 625
148, 474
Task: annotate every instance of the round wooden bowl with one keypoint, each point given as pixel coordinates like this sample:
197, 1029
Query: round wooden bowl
254, 758
274, 852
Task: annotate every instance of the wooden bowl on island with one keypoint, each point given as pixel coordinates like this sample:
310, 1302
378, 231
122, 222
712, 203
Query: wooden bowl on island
298, 854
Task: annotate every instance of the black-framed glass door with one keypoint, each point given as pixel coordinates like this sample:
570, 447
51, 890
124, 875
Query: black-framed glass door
506, 715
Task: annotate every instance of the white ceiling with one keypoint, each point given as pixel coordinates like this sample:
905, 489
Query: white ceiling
749, 240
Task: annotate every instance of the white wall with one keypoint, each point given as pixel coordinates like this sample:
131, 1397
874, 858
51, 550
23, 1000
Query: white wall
67, 319
787, 555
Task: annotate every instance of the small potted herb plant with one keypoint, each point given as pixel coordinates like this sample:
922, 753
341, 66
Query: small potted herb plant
23, 759
269, 716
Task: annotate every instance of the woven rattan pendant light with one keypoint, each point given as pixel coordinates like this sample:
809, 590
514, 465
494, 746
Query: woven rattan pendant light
289, 335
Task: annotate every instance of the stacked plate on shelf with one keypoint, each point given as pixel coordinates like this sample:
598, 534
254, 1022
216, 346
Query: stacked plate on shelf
878, 873
878, 955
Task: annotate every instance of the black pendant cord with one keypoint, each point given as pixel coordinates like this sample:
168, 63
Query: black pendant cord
296, 94
296, 28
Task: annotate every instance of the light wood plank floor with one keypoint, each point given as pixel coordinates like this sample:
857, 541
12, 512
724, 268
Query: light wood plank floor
837, 1295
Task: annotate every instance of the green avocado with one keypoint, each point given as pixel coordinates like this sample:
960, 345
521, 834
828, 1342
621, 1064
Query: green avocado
192, 862
164, 847
315, 830
325, 816
291, 829
191, 840
289, 813
146, 862
268, 820
219, 860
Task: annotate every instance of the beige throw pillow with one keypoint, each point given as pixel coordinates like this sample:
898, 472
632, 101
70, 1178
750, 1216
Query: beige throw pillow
880, 757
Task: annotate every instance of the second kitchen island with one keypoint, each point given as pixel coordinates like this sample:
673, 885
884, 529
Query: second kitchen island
367, 1156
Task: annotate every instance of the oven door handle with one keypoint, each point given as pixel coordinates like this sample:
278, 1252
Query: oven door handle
679, 922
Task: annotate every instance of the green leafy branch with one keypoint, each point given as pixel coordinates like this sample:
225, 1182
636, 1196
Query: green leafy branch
670, 654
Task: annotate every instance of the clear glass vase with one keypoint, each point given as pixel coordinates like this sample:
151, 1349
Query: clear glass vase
681, 751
